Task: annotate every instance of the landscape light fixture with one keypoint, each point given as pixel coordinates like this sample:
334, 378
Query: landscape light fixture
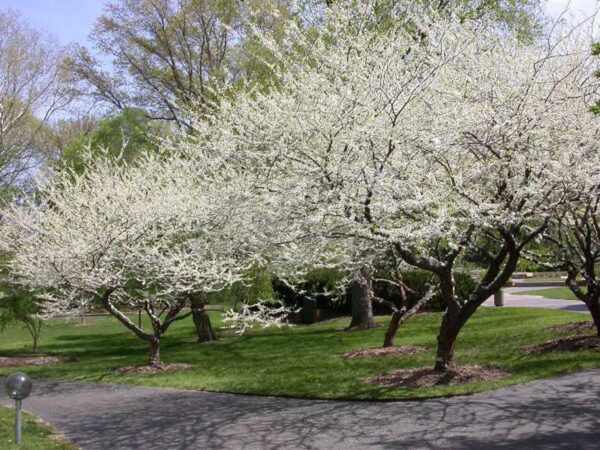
18, 387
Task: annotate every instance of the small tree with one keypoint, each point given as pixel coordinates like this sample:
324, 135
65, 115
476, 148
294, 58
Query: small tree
21, 306
149, 236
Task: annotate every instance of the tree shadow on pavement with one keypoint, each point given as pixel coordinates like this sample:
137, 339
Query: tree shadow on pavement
559, 413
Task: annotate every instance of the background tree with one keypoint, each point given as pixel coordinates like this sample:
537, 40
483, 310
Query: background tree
125, 137
33, 89
69, 130
167, 55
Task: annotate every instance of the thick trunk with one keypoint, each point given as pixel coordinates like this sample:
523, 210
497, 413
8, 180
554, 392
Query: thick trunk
201, 319
454, 319
594, 307
450, 326
447, 339
204, 328
154, 352
362, 308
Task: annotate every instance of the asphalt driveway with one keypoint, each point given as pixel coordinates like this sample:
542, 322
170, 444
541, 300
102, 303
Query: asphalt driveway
518, 298
558, 413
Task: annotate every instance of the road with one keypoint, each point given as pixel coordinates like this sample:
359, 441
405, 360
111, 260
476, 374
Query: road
516, 297
558, 413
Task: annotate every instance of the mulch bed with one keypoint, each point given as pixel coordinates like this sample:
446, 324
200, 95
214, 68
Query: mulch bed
574, 327
568, 344
426, 377
141, 370
17, 361
400, 350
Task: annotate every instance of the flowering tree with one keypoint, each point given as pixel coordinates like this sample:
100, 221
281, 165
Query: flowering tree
574, 238
454, 137
149, 236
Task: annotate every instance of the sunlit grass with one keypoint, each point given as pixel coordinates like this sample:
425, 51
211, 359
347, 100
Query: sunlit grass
303, 361
35, 435
557, 293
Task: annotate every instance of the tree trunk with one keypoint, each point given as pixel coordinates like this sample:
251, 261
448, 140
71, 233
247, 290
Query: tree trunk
154, 352
594, 308
37, 330
399, 316
34, 327
201, 319
362, 308
204, 328
392, 329
450, 326
447, 339
35, 341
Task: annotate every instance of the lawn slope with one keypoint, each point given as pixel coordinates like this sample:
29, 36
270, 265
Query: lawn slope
304, 361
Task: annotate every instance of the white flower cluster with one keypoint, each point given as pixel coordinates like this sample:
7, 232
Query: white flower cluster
147, 234
371, 138
430, 134
260, 314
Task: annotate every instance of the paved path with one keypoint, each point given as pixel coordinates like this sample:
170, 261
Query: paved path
559, 413
516, 297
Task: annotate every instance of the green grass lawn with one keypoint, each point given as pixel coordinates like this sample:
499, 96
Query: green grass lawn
303, 361
36, 435
557, 293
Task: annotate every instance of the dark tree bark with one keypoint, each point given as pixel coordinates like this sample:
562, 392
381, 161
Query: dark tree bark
362, 308
575, 235
500, 269
502, 262
591, 298
390, 334
203, 326
154, 352
159, 328
446, 340
594, 308
450, 326
399, 316
201, 318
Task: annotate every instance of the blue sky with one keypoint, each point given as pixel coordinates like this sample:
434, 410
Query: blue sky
555, 7
69, 20
72, 20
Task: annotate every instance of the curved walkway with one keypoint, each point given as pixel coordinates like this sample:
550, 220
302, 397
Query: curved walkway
558, 413
516, 297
